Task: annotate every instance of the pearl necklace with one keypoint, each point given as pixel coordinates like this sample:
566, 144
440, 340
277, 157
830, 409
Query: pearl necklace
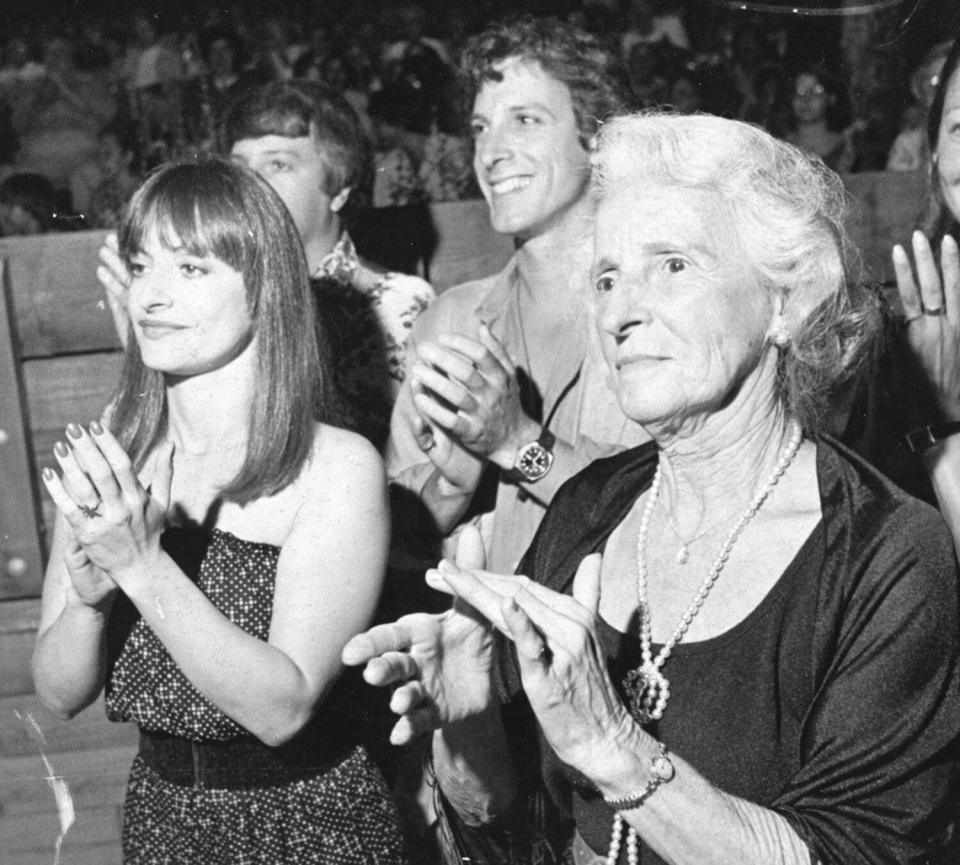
646, 686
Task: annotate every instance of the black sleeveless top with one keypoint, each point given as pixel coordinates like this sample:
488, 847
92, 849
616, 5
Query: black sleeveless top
835, 702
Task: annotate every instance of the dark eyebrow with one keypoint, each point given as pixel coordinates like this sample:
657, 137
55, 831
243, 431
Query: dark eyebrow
602, 265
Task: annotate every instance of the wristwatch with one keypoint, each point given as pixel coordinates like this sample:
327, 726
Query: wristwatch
661, 771
533, 460
926, 437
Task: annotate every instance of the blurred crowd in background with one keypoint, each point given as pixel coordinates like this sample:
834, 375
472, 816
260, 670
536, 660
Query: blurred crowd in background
89, 104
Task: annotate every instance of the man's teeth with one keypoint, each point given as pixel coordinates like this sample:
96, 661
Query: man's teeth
511, 184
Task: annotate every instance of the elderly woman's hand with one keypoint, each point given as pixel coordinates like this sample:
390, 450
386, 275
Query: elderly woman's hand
933, 315
439, 665
561, 662
116, 521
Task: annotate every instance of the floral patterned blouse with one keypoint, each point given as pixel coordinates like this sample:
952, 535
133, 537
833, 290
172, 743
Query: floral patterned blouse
365, 317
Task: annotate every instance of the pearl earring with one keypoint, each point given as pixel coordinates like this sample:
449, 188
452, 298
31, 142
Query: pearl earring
780, 336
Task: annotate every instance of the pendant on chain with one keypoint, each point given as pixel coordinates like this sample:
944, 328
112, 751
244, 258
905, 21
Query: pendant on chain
648, 691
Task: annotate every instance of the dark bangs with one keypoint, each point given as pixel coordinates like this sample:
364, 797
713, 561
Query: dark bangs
197, 208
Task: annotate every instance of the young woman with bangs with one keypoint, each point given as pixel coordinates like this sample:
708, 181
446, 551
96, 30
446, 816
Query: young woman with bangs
217, 542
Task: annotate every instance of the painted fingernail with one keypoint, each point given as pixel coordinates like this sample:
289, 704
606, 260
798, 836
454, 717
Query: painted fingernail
96, 428
48, 473
61, 450
74, 430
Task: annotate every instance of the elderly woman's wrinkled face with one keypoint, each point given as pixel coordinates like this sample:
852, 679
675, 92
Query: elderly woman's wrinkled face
948, 147
681, 314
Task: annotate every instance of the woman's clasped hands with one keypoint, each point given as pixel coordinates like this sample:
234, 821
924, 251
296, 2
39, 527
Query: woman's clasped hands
116, 521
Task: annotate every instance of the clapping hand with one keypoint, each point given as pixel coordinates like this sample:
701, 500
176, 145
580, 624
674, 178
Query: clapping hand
932, 311
113, 276
116, 521
438, 665
561, 662
470, 389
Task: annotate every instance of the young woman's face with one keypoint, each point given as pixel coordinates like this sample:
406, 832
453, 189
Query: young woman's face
189, 313
948, 147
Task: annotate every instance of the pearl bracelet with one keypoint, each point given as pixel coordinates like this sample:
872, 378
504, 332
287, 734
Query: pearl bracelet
661, 769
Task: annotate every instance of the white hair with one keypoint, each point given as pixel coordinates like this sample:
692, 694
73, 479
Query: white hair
789, 211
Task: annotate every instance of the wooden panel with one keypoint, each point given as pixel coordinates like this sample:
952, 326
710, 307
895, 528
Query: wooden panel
89, 730
58, 302
467, 247
890, 204
21, 554
15, 652
72, 387
29, 837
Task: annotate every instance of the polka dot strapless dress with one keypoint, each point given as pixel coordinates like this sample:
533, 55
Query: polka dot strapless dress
203, 791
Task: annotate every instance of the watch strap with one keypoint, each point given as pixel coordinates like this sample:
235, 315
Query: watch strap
926, 437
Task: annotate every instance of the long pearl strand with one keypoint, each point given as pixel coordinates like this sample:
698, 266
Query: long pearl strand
647, 687
616, 839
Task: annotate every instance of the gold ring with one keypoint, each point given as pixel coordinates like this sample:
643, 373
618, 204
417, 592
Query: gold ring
934, 311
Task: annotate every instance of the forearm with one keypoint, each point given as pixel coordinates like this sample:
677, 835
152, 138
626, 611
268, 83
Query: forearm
942, 462
249, 680
70, 658
474, 767
689, 821
445, 502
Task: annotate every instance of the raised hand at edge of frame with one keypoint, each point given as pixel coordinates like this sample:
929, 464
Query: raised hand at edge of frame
931, 304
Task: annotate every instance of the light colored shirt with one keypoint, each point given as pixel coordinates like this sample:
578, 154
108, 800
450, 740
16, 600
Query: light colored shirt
577, 400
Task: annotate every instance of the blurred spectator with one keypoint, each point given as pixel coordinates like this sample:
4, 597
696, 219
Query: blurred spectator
19, 67
910, 150
310, 63
274, 53
768, 105
420, 153
651, 68
207, 96
100, 188
684, 95
29, 204
57, 115
819, 123
411, 23
649, 22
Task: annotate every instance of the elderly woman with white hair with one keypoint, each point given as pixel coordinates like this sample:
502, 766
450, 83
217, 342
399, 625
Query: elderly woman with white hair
737, 643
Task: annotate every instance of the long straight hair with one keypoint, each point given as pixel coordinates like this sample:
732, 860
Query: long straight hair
209, 206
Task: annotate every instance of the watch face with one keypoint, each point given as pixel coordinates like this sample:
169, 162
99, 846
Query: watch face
534, 461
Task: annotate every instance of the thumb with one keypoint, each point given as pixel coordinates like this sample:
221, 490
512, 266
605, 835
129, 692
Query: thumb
163, 476
586, 583
470, 553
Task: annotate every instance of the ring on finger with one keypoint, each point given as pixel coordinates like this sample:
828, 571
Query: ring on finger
91, 511
934, 310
